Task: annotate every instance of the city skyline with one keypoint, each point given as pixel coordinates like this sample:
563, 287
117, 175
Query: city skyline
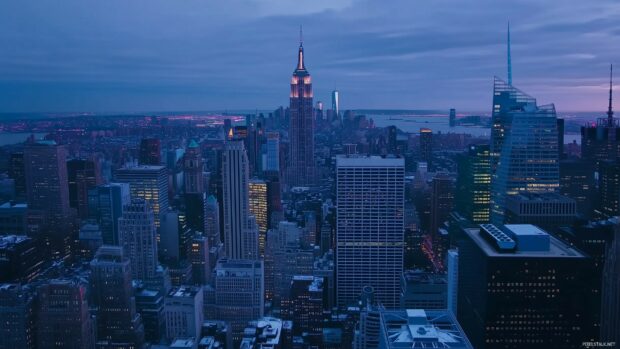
102, 62
309, 225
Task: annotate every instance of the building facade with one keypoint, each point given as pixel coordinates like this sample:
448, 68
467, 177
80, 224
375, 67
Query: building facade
370, 228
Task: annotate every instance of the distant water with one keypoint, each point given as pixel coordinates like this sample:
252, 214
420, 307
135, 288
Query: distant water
412, 123
14, 138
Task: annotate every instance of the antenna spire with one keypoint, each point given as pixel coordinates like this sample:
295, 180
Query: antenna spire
508, 56
610, 111
301, 35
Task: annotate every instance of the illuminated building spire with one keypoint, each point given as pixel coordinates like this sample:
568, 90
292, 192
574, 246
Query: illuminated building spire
508, 56
300, 54
610, 111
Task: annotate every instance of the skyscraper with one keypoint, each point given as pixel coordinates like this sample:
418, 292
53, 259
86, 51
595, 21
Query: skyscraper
106, 204
520, 287
184, 312
17, 311
46, 177
426, 145
442, 200
63, 319
370, 228
306, 307
47, 189
601, 141
577, 182
301, 131
473, 184
610, 307
529, 160
118, 323
17, 173
452, 117
609, 188
150, 152
336, 103
212, 221
137, 236
239, 293
240, 237
193, 169
272, 156
258, 208
83, 175
506, 99
149, 183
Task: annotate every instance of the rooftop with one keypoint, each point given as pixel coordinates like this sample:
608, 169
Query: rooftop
417, 328
184, 291
368, 161
556, 248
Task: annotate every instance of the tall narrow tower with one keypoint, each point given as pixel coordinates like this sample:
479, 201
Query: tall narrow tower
301, 132
509, 58
240, 236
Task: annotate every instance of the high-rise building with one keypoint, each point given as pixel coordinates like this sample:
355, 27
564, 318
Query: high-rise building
17, 311
150, 305
150, 152
423, 290
336, 103
240, 236
82, 175
89, 241
577, 182
118, 323
452, 118
473, 184
148, 182
547, 211
137, 236
17, 173
13, 218
106, 204
183, 311
212, 221
258, 208
306, 307
370, 227
506, 99
609, 188
285, 256
199, 257
302, 170
610, 302
63, 319
529, 160
518, 286
426, 146
601, 141
239, 293
272, 155
453, 281
21, 259
193, 169
47, 189
442, 200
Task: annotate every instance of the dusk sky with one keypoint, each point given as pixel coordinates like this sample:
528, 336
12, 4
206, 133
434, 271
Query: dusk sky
182, 55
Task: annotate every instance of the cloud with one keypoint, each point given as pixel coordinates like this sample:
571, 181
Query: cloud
194, 54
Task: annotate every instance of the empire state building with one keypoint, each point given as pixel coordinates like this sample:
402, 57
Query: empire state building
302, 170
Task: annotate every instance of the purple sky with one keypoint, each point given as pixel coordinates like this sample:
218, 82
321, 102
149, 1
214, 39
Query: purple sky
166, 55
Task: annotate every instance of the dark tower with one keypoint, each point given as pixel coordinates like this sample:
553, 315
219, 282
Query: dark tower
301, 132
